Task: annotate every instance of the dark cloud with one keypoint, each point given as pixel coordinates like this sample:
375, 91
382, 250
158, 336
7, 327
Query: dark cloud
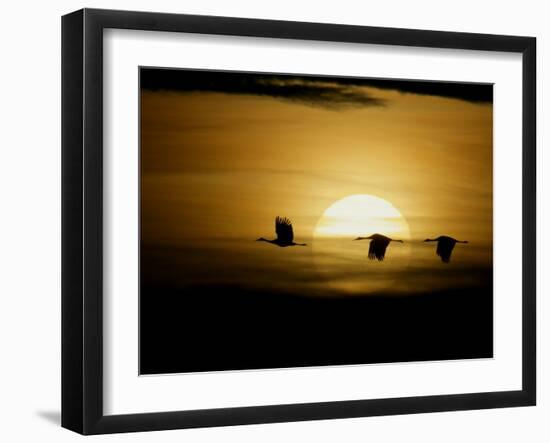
313, 91
325, 92
470, 92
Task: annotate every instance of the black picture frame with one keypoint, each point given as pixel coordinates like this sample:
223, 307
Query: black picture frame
82, 220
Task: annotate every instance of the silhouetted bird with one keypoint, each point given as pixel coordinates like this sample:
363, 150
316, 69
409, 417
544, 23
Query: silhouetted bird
378, 245
445, 246
285, 234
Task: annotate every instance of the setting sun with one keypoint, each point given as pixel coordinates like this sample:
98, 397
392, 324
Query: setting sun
342, 261
362, 214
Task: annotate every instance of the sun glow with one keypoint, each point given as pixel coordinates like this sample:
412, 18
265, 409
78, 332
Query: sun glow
344, 262
361, 215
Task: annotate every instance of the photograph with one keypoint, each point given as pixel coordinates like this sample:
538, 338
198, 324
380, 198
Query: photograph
292, 220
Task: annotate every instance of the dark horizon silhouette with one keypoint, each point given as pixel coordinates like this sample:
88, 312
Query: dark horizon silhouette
229, 327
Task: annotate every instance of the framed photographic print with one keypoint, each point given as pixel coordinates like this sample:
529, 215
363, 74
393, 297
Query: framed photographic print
269, 221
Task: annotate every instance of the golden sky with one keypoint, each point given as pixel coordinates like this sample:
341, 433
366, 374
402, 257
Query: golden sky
217, 167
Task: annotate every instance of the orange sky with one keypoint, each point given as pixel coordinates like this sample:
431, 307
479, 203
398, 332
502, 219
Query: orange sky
219, 166
246, 159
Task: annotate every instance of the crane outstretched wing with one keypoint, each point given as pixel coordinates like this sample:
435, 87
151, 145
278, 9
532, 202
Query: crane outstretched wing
283, 228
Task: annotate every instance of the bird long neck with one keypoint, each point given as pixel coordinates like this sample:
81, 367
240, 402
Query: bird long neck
462, 241
399, 241
431, 239
300, 244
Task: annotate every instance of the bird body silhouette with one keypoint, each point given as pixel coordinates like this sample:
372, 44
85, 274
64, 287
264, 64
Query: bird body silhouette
285, 234
378, 245
445, 246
